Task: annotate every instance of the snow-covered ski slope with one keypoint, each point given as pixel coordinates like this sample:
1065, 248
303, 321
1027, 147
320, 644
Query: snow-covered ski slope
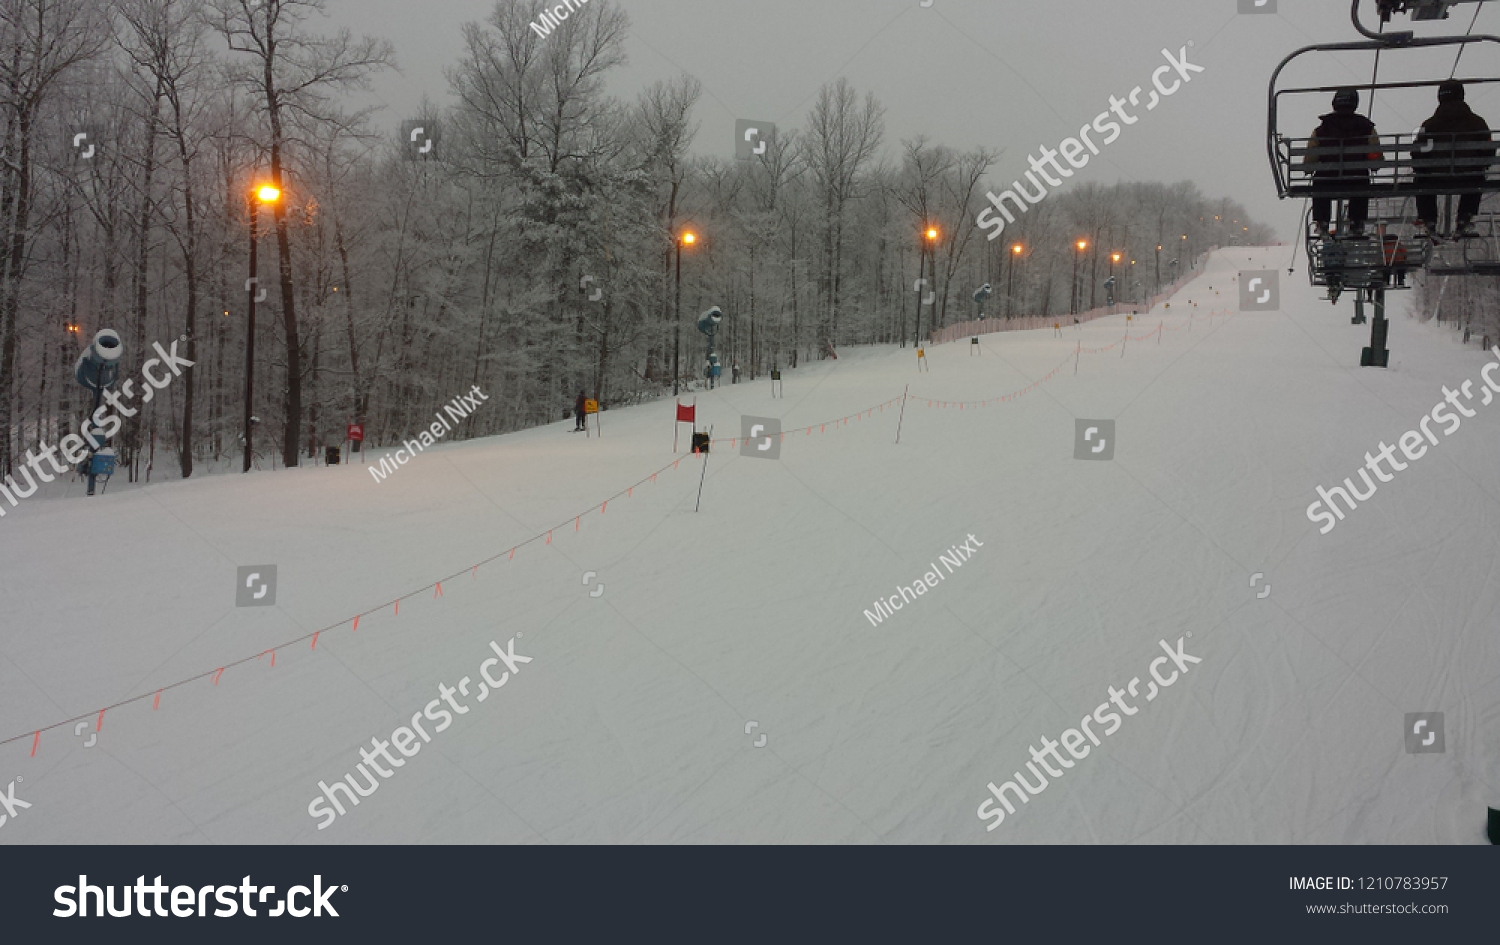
630, 723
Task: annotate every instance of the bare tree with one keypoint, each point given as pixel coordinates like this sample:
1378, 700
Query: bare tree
39, 41
842, 139
293, 70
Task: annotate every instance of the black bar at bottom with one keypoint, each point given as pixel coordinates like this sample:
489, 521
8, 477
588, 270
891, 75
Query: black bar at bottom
712, 894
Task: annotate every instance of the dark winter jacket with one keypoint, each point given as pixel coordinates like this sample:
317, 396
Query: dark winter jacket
1352, 132
578, 406
1453, 132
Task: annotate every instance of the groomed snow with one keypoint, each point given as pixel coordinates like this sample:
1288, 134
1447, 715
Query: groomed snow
630, 723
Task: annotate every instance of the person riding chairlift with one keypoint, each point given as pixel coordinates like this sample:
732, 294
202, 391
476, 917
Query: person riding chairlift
1354, 137
1453, 134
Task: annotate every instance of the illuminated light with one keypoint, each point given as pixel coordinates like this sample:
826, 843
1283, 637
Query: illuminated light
1016, 249
267, 194
932, 233
689, 237
1082, 245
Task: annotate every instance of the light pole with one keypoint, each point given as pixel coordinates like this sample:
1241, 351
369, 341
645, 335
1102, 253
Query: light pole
1081, 245
1113, 259
931, 236
265, 194
1010, 278
688, 237
1158, 269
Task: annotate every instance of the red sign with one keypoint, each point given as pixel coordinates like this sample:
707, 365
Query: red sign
357, 432
687, 413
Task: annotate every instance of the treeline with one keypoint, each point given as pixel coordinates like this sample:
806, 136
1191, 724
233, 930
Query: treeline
1468, 304
524, 239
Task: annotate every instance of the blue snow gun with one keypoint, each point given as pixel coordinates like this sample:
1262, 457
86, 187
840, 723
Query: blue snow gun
709, 321
102, 463
99, 365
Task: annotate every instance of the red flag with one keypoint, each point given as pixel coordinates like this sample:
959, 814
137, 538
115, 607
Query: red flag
687, 413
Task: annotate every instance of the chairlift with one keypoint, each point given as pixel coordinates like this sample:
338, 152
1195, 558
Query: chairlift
1379, 259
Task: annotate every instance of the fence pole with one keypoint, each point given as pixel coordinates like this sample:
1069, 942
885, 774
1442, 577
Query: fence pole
902, 418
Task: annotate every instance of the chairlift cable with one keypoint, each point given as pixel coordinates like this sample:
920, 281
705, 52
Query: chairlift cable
1466, 33
1375, 76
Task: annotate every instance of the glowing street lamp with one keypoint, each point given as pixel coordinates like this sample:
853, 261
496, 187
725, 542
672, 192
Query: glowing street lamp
685, 238
931, 235
1010, 282
267, 194
1077, 301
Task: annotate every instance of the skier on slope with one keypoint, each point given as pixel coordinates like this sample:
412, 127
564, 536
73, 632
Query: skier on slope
580, 418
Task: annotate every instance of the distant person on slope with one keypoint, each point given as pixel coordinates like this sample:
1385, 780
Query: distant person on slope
580, 419
1454, 149
1345, 137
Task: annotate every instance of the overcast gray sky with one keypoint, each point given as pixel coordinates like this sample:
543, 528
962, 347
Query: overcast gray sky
1002, 73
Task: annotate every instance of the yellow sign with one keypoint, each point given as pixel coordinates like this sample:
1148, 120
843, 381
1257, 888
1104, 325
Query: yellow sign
921, 352
591, 406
